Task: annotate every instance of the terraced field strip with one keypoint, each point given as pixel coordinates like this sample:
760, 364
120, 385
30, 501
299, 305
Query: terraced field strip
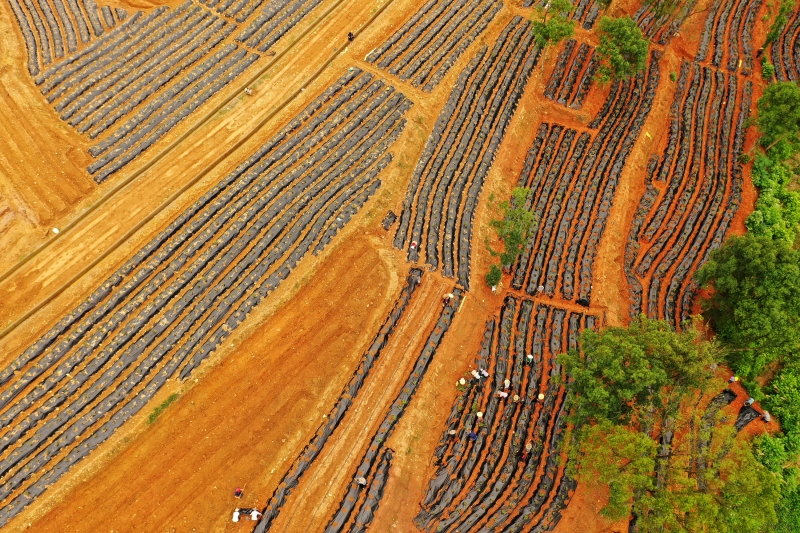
585, 13
143, 219
661, 29
176, 300
441, 198
785, 51
349, 394
573, 178
333, 463
429, 44
693, 192
354, 500
572, 76
52, 30
500, 459
728, 34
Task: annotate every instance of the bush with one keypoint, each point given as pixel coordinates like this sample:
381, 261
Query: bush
494, 276
767, 69
160, 409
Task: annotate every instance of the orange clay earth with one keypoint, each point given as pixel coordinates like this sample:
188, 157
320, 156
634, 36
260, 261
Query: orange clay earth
248, 412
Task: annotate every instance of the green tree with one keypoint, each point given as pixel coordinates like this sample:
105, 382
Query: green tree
622, 49
494, 276
514, 226
755, 305
625, 374
618, 457
630, 387
779, 119
553, 24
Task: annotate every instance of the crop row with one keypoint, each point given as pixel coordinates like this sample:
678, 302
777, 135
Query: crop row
353, 498
238, 10
164, 111
573, 179
441, 198
133, 85
786, 50
585, 12
570, 89
678, 224
662, 29
274, 21
729, 22
346, 399
430, 43
52, 29
500, 459
184, 293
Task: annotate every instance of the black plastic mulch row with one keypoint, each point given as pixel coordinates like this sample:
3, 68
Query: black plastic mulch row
585, 12
428, 45
346, 398
444, 188
274, 22
357, 194
511, 430
398, 407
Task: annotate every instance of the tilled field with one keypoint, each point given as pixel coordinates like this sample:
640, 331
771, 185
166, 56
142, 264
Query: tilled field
452, 417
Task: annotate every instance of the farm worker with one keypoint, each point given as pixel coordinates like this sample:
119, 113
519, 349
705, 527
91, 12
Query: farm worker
475, 374
451, 433
362, 481
479, 415
462, 381
733, 379
540, 289
529, 357
236, 515
749, 401
238, 492
494, 288
413, 245
248, 91
766, 416
529, 446
484, 373
515, 398
502, 394
254, 514
350, 36
507, 383
473, 436
540, 397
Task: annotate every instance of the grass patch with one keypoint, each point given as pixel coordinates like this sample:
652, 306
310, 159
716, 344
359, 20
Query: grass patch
161, 408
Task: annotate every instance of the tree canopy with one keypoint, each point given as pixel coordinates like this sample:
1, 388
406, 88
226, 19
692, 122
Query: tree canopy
514, 226
755, 306
634, 394
553, 24
627, 373
779, 119
622, 49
